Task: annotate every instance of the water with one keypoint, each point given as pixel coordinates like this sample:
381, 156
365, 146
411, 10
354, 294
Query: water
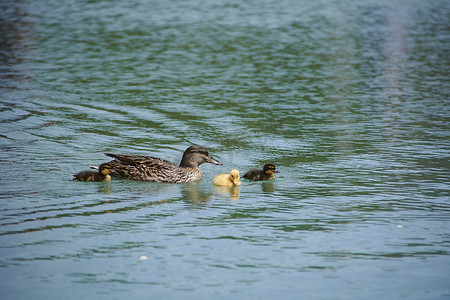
349, 99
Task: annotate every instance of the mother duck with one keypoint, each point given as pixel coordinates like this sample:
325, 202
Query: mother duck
148, 168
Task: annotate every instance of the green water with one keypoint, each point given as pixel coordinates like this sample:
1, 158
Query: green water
349, 99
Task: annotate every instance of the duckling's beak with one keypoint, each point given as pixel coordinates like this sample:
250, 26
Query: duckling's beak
214, 161
276, 171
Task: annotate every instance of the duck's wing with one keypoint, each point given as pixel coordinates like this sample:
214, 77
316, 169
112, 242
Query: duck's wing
148, 161
84, 176
253, 175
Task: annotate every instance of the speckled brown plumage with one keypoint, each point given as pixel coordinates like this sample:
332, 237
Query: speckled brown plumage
265, 174
102, 175
148, 168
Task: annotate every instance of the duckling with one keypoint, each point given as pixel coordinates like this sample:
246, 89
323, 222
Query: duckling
148, 168
230, 179
265, 174
102, 175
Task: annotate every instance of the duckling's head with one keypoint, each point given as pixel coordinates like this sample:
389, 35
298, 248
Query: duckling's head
195, 156
269, 169
234, 177
105, 169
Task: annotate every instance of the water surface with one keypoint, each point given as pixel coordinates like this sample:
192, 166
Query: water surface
349, 99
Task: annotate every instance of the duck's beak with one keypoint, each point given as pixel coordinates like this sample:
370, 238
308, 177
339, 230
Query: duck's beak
214, 161
276, 171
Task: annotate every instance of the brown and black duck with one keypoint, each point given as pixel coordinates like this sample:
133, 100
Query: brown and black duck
98, 176
265, 174
148, 168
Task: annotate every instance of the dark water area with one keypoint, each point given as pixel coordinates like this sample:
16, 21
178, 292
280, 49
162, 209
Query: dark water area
349, 99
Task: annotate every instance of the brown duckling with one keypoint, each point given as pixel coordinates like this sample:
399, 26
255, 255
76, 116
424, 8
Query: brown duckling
266, 173
148, 168
98, 176
230, 179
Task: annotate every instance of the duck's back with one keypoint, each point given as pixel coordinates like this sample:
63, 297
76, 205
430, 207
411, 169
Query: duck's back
254, 175
222, 179
154, 162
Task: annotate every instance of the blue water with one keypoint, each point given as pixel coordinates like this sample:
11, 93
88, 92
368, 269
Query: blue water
349, 99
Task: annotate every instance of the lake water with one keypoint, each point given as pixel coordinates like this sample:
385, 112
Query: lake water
349, 99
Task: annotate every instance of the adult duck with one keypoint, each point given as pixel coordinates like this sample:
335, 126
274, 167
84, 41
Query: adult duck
148, 168
266, 173
98, 176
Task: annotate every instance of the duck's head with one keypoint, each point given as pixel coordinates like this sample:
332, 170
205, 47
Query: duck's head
195, 156
234, 177
105, 169
269, 169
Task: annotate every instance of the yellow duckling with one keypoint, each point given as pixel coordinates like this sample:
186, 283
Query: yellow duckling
227, 179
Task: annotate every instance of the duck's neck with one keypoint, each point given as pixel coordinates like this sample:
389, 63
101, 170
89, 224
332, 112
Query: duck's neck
185, 163
269, 176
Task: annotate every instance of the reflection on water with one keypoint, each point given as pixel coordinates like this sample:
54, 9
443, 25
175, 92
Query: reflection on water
105, 188
193, 194
231, 192
268, 187
349, 98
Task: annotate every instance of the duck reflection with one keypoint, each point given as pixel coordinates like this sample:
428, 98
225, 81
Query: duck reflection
193, 194
232, 192
268, 187
105, 188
